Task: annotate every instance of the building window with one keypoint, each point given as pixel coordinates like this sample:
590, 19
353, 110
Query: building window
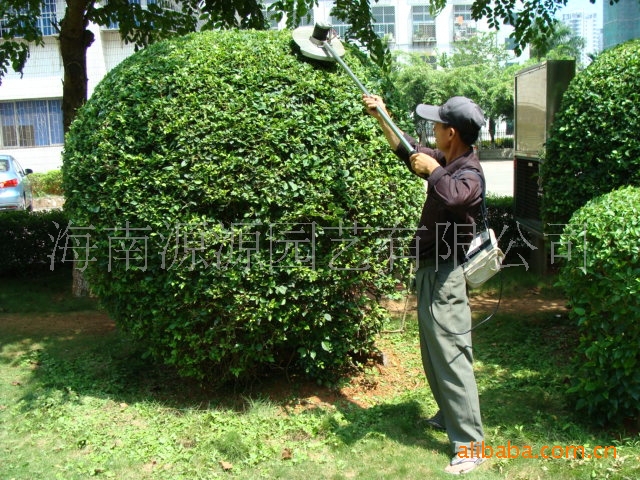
32, 123
424, 25
164, 4
510, 43
270, 17
384, 21
464, 26
339, 26
47, 21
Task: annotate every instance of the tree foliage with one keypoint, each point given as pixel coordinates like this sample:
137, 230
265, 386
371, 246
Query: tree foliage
558, 44
272, 211
143, 26
477, 69
533, 20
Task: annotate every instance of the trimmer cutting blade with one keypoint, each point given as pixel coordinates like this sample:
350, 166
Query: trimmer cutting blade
311, 42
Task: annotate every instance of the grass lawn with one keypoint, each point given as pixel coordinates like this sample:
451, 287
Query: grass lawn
78, 400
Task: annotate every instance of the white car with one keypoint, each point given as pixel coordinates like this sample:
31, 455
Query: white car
15, 187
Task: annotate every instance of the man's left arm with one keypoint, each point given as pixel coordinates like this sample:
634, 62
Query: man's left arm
457, 189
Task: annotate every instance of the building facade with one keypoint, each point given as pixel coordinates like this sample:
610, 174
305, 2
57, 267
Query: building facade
621, 22
588, 26
30, 104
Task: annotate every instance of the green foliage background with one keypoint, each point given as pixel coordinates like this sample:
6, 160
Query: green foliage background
218, 143
602, 281
594, 146
47, 183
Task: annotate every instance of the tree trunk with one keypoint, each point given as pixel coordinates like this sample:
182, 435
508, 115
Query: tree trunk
492, 131
75, 39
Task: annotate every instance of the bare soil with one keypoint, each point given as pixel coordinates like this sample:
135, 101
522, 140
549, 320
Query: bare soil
48, 202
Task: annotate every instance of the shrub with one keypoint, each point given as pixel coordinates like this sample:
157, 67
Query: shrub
235, 195
48, 183
28, 240
602, 280
515, 241
593, 146
504, 142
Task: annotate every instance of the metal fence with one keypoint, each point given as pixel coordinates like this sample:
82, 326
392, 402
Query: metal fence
502, 135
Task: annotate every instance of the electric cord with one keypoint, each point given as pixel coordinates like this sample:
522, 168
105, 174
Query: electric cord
406, 304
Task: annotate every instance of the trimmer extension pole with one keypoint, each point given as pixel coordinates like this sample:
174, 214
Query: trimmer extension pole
328, 48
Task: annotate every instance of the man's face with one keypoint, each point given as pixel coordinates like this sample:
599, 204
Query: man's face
442, 134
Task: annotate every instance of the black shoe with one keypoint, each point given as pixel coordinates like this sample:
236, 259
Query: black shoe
436, 422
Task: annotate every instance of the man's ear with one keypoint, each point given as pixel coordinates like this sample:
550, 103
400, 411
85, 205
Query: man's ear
452, 133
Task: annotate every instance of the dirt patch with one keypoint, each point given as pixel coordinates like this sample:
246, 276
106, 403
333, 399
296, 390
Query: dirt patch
531, 302
395, 374
48, 202
63, 324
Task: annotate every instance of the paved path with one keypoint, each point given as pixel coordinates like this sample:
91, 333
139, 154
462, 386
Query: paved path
499, 175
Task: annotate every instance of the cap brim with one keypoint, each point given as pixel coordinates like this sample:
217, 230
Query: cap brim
429, 112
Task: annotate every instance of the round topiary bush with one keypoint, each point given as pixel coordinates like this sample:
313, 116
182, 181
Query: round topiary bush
594, 146
602, 280
241, 209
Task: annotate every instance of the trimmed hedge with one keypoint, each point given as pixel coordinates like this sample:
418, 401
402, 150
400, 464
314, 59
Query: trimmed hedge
602, 280
241, 205
515, 241
28, 240
593, 145
594, 148
48, 183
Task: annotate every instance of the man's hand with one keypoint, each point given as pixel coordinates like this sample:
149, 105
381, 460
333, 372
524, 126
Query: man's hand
374, 104
371, 103
423, 164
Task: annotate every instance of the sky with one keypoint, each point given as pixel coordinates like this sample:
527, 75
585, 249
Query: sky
582, 5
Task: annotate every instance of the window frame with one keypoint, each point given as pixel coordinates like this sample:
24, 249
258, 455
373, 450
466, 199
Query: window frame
31, 123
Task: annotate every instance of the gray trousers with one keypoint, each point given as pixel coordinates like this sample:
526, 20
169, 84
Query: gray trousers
447, 358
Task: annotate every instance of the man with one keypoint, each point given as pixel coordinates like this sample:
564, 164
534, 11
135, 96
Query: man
454, 197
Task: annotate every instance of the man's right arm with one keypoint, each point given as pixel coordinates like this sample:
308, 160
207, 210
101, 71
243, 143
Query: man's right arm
372, 104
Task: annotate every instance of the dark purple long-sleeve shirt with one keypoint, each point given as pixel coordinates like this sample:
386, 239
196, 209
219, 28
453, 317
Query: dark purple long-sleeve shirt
454, 198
